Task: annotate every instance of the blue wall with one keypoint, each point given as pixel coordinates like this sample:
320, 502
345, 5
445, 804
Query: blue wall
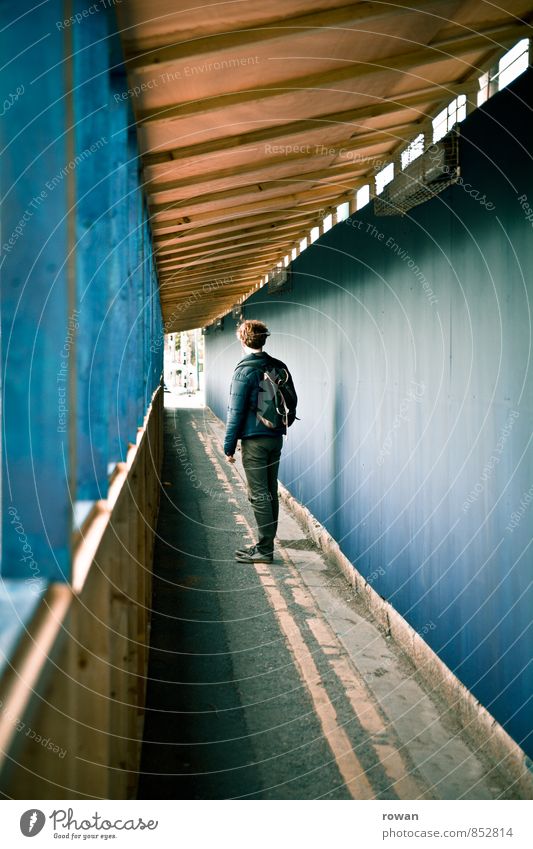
409, 341
80, 300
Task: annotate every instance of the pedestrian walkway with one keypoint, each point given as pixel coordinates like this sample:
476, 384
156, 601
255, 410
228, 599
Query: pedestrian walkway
273, 682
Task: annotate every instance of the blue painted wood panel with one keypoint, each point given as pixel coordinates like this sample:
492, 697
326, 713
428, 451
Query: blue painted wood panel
95, 335
93, 151
36, 333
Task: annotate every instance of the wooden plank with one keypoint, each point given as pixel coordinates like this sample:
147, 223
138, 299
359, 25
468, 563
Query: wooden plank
244, 158
179, 296
218, 247
433, 53
191, 231
134, 659
177, 246
266, 177
186, 264
266, 187
181, 291
314, 197
338, 154
282, 131
259, 268
28, 767
255, 196
177, 47
91, 678
217, 269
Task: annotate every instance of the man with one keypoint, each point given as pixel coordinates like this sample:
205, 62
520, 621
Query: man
252, 394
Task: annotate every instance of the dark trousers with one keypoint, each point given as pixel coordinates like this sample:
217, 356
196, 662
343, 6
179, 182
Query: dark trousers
260, 458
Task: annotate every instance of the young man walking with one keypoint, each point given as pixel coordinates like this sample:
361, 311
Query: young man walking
262, 404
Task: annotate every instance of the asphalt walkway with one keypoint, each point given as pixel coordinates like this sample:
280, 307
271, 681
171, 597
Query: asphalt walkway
273, 682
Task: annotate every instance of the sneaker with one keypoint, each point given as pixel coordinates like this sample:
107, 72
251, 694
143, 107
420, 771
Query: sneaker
254, 556
244, 552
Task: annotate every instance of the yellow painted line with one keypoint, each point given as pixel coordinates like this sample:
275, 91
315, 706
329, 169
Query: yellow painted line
348, 764
405, 785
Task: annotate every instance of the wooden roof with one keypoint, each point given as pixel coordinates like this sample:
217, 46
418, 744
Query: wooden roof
255, 118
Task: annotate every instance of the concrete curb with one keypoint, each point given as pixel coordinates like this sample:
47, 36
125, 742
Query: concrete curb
487, 735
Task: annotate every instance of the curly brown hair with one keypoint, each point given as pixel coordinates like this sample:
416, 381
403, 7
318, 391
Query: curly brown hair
253, 333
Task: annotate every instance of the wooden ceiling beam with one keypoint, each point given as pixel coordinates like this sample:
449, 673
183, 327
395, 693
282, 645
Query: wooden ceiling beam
235, 238
256, 252
176, 47
221, 270
215, 307
299, 169
232, 267
315, 196
349, 117
266, 188
228, 297
432, 53
194, 296
215, 247
197, 283
190, 233
181, 298
203, 167
245, 284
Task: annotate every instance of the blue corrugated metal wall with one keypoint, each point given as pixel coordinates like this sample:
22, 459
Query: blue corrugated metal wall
80, 300
409, 339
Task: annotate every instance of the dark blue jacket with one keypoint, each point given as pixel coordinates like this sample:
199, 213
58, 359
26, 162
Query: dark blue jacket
241, 420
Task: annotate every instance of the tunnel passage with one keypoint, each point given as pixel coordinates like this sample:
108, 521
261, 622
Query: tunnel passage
270, 682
